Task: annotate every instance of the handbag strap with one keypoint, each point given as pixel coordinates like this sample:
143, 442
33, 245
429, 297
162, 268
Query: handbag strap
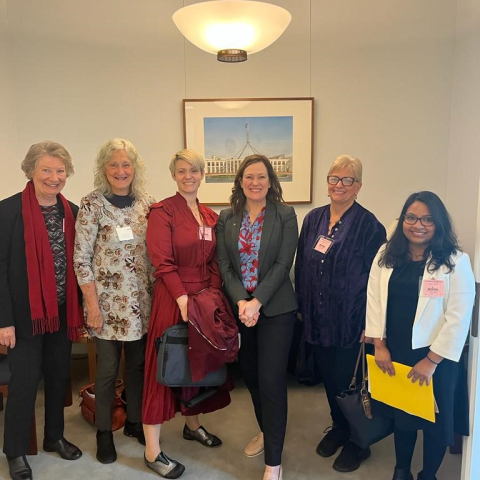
367, 406
361, 354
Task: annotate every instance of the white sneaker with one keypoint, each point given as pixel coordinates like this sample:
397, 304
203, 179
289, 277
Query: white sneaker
255, 447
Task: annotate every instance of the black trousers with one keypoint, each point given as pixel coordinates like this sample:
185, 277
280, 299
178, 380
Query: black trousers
263, 357
109, 353
336, 366
47, 355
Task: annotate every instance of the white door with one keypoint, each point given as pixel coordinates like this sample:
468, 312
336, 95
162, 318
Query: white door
471, 444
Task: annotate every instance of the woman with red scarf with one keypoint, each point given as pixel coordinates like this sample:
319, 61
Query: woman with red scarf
41, 313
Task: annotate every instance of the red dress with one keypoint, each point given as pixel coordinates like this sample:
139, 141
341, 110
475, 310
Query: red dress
184, 264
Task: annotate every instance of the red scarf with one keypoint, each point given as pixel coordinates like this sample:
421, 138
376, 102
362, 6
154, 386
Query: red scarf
42, 284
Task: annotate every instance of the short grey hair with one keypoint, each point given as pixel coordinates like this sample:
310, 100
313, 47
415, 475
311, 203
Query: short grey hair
38, 150
191, 156
352, 163
137, 188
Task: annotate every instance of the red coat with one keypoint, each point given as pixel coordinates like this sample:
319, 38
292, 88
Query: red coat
212, 332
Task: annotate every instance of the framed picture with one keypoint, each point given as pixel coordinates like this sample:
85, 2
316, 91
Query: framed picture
226, 130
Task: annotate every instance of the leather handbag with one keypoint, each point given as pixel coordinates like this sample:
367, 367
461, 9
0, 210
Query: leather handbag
366, 428
173, 366
87, 405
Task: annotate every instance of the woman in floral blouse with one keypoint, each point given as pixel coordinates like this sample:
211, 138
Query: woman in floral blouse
115, 275
257, 239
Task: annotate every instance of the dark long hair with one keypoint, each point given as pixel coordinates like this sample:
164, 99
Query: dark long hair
442, 246
238, 199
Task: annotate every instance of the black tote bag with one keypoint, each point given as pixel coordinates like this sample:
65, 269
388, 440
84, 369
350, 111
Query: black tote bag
366, 428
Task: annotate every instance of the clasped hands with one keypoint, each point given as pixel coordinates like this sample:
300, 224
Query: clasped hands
421, 371
249, 311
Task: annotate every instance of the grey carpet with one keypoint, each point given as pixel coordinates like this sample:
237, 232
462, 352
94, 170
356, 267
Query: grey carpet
308, 417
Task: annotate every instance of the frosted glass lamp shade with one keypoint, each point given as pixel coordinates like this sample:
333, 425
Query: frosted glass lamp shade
225, 26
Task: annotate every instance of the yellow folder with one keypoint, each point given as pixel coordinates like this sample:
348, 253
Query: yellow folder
399, 391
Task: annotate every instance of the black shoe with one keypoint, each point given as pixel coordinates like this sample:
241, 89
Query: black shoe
421, 477
19, 468
106, 452
402, 474
202, 436
336, 437
67, 450
350, 457
134, 430
165, 467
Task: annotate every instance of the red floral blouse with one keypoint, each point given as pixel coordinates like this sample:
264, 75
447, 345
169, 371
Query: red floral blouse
248, 248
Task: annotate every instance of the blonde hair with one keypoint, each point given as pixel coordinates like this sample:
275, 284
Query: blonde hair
190, 156
38, 150
137, 188
352, 163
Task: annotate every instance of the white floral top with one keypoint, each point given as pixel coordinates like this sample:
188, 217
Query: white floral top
120, 269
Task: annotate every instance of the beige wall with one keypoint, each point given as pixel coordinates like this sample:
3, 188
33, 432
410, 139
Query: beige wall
381, 74
464, 163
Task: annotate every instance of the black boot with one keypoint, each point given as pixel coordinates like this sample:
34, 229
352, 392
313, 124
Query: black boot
106, 452
134, 430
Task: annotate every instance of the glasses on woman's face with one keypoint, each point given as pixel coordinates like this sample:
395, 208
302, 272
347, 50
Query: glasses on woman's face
426, 221
346, 181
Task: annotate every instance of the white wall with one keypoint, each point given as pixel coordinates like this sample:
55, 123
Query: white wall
381, 73
464, 162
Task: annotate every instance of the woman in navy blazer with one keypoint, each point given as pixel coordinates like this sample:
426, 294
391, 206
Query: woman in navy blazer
419, 305
256, 242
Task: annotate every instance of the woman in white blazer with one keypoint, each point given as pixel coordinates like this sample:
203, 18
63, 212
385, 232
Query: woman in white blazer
419, 304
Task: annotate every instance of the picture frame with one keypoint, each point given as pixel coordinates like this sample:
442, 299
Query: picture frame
226, 130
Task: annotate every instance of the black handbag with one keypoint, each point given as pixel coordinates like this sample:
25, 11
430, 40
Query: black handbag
366, 428
173, 366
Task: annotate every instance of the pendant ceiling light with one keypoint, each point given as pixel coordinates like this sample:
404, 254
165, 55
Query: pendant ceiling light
231, 29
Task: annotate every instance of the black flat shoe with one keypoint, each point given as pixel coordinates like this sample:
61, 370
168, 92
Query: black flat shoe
202, 436
67, 450
19, 468
165, 467
402, 474
421, 477
134, 430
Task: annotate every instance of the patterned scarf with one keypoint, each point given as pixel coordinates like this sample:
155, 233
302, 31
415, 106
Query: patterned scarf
42, 285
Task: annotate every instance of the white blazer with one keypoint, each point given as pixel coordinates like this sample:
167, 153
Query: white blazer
440, 323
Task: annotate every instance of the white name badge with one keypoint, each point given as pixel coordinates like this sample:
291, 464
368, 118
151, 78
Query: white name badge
433, 288
205, 233
323, 244
124, 233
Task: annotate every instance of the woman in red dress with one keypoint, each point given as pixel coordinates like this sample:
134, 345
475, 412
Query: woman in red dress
181, 244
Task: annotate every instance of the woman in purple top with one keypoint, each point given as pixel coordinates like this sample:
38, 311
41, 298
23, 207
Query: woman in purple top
256, 243
335, 251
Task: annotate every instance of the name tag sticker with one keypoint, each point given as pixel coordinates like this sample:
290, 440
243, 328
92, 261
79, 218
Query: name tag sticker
205, 233
323, 244
433, 288
124, 233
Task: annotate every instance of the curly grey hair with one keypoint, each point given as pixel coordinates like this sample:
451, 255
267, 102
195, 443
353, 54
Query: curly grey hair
137, 188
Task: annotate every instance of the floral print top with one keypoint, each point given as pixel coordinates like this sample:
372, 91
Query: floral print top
121, 269
248, 247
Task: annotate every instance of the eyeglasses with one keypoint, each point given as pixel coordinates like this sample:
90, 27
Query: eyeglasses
426, 221
346, 181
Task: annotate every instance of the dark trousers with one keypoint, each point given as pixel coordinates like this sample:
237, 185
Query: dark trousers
433, 451
263, 357
47, 355
109, 353
336, 366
